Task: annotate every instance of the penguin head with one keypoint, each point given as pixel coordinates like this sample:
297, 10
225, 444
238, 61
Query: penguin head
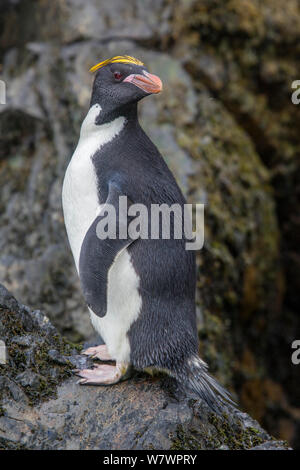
119, 84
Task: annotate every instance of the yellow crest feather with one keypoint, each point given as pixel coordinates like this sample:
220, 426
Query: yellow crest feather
125, 59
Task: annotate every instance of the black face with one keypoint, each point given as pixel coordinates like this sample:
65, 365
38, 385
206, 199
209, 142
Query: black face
118, 87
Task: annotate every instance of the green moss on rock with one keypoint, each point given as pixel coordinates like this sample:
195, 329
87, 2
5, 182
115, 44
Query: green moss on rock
32, 357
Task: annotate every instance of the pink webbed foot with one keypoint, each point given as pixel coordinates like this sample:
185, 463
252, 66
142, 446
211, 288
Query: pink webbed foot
102, 374
98, 352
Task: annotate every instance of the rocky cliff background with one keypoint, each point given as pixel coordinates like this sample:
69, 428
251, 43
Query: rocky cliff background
226, 126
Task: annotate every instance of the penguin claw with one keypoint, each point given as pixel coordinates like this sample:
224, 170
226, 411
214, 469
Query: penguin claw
103, 374
81, 381
98, 352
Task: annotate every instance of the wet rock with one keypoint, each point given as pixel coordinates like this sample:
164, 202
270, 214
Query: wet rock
29, 379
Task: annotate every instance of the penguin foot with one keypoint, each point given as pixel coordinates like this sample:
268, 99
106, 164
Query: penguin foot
98, 352
102, 374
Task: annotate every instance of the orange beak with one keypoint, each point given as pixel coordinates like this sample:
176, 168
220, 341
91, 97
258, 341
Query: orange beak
146, 82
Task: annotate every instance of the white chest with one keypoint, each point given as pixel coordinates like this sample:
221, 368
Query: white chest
80, 197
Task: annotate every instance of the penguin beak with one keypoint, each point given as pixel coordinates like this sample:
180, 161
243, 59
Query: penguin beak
146, 82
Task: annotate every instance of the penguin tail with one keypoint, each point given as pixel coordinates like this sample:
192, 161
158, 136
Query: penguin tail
196, 378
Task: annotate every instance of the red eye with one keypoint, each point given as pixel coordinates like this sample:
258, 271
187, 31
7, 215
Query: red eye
117, 75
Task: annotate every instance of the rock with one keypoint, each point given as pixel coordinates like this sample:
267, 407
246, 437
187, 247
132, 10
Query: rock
22, 340
56, 357
7, 385
29, 379
140, 413
270, 445
29, 338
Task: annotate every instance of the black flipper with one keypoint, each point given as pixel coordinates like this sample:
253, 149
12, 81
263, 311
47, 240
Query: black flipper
97, 255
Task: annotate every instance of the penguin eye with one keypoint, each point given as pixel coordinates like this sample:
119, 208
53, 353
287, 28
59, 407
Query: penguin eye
118, 75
